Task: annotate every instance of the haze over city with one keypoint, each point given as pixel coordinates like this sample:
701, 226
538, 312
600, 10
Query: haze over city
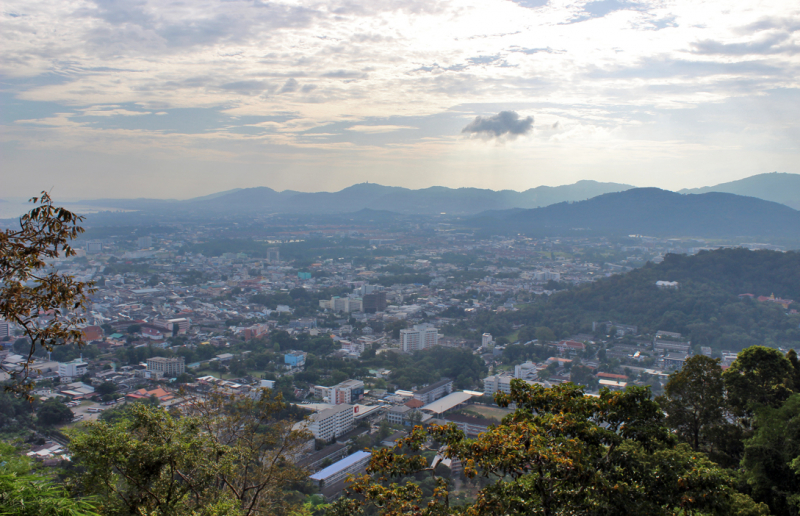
142, 99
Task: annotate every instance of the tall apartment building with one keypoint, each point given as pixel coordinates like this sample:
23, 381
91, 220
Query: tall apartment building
72, 369
166, 367
273, 255
421, 336
331, 423
5, 329
374, 302
486, 340
347, 392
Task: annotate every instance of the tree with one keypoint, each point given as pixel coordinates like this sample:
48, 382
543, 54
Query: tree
106, 388
221, 455
693, 399
772, 457
54, 412
792, 357
559, 453
759, 376
545, 335
27, 291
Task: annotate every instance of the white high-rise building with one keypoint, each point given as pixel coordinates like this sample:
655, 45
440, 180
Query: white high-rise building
486, 340
331, 423
526, 371
422, 336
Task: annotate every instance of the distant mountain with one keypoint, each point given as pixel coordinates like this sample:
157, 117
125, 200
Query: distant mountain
371, 196
651, 211
776, 187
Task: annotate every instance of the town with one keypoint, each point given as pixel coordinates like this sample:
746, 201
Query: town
368, 332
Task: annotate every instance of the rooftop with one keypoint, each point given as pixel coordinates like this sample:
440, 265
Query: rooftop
336, 467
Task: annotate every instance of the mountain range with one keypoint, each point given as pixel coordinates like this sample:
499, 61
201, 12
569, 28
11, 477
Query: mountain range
427, 201
777, 187
655, 212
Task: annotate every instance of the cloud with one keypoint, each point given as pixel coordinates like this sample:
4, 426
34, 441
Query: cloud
245, 87
376, 129
772, 44
289, 86
505, 124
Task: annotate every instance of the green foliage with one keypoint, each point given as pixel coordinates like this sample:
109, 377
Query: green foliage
221, 456
24, 493
759, 376
54, 412
694, 400
772, 456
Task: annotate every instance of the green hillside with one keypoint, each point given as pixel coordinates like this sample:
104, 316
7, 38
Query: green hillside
706, 307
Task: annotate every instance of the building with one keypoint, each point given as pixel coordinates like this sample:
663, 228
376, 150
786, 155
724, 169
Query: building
666, 346
355, 346
421, 336
374, 302
331, 480
273, 255
398, 415
667, 284
545, 276
304, 275
73, 369
495, 383
471, 426
295, 358
435, 391
94, 247
342, 304
144, 242
331, 423
349, 391
166, 367
255, 331
5, 329
674, 360
569, 346
330, 453
526, 371
486, 340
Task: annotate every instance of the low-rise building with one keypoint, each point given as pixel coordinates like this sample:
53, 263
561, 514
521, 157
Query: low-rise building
166, 367
331, 480
72, 369
435, 391
295, 358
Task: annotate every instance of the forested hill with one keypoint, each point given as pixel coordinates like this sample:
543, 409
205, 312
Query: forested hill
651, 211
706, 306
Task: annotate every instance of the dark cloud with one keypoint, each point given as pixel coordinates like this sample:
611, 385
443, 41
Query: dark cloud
345, 74
772, 44
289, 86
504, 124
245, 87
483, 60
308, 88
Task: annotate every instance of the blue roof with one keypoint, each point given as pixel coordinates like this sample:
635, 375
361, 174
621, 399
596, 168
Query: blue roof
340, 465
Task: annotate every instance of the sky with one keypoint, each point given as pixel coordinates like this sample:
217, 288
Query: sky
141, 98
